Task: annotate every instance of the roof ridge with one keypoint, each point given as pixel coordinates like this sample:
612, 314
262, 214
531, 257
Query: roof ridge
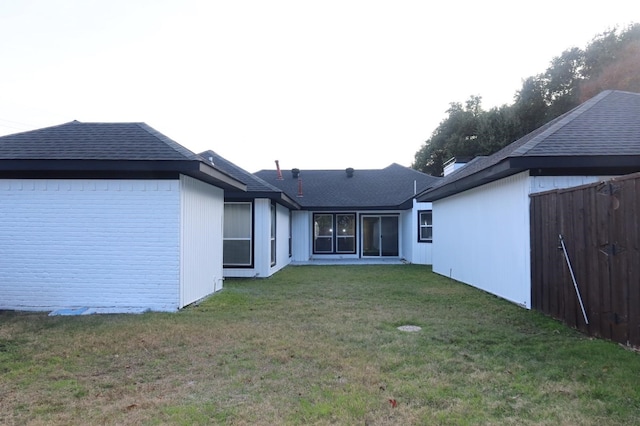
41, 128
187, 153
558, 123
240, 169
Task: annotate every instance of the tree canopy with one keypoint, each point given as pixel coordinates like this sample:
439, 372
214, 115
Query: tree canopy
610, 61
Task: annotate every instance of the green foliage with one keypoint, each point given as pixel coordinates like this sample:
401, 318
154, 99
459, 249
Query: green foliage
610, 61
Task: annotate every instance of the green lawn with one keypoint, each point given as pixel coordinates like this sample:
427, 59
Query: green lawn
317, 345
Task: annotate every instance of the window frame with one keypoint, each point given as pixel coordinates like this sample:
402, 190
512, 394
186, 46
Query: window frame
273, 234
334, 236
427, 226
251, 238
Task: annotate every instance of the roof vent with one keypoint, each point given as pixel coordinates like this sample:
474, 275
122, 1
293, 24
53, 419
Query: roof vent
295, 173
278, 171
349, 171
300, 188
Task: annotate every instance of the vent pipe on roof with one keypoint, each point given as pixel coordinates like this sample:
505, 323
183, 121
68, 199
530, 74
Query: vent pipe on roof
295, 173
349, 171
278, 171
300, 187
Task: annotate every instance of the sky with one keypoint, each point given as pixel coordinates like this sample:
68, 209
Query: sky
324, 84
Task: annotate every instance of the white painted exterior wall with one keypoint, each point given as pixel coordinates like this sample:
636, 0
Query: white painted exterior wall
262, 242
282, 239
97, 243
301, 235
201, 240
481, 236
414, 251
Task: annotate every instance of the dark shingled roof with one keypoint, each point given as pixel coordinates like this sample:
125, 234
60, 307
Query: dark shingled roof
93, 141
388, 188
256, 187
599, 137
103, 150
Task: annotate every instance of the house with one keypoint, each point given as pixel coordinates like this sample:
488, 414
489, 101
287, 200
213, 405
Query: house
108, 217
257, 224
481, 229
353, 215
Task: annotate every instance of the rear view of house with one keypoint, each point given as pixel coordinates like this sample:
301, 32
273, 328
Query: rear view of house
107, 217
357, 214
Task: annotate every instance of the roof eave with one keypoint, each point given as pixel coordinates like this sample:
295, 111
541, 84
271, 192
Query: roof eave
592, 165
193, 168
490, 174
203, 171
278, 197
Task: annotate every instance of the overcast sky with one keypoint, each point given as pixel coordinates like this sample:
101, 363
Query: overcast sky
315, 84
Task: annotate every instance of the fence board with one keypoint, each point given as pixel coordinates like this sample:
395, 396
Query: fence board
599, 224
634, 260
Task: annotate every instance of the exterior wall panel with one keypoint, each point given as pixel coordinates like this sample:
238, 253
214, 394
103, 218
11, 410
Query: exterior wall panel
282, 239
301, 233
481, 237
261, 237
201, 231
112, 244
414, 251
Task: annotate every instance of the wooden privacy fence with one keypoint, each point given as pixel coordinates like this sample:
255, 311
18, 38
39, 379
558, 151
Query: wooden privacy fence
599, 226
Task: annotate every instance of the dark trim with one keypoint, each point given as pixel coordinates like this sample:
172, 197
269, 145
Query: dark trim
278, 197
585, 165
273, 210
356, 208
608, 162
114, 169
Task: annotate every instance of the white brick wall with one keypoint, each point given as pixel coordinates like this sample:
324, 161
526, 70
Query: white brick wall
98, 243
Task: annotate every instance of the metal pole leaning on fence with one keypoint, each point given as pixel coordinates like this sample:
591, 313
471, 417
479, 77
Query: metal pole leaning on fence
573, 278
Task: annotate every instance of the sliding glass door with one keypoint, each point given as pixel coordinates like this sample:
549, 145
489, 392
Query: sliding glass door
379, 236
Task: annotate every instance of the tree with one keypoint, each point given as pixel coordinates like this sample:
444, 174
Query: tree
610, 61
456, 135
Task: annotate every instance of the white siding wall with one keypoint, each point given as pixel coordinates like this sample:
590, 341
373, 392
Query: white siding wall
413, 251
301, 231
201, 228
481, 237
97, 243
261, 237
282, 239
547, 183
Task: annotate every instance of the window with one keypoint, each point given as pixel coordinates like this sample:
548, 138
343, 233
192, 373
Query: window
273, 235
334, 233
236, 249
425, 226
346, 233
323, 233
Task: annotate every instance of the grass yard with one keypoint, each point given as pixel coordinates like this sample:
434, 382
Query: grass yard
317, 345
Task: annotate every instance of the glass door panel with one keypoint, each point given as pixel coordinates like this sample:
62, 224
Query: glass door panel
370, 236
380, 236
389, 236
